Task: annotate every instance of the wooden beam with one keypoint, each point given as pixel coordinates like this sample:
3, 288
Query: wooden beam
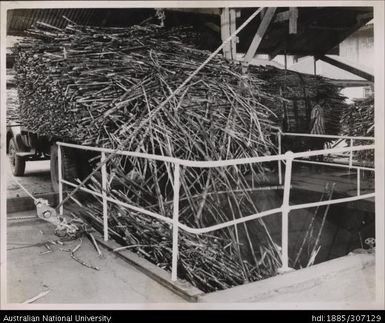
204, 11
225, 31
315, 65
228, 27
267, 18
350, 83
293, 17
233, 28
348, 68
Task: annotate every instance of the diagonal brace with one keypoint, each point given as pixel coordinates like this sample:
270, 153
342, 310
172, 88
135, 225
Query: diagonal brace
267, 18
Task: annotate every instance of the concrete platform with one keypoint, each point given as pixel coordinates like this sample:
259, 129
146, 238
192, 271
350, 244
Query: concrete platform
30, 271
349, 279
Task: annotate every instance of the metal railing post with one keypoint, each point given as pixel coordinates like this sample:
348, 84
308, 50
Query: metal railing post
60, 178
351, 154
175, 223
285, 211
358, 182
279, 161
104, 197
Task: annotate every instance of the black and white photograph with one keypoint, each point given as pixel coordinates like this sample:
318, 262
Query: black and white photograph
192, 155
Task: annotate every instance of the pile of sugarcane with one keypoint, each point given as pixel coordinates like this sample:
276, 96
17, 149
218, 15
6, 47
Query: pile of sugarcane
358, 120
89, 85
13, 108
211, 261
103, 87
12, 100
302, 92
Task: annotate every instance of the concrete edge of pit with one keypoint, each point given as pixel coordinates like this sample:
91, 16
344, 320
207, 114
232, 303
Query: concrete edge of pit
260, 290
181, 288
26, 203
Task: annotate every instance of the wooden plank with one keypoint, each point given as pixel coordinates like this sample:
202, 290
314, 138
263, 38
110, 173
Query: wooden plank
348, 68
267, 18
25, 203
180, 287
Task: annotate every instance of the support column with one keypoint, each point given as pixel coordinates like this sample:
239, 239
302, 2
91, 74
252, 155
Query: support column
228, 27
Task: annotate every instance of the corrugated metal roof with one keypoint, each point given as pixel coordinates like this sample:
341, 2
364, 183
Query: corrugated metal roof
20, 20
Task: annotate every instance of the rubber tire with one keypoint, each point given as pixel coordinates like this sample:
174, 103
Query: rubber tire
17, 162
69, 167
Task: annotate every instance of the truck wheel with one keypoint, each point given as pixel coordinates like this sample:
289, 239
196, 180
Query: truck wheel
17, 162
69, 167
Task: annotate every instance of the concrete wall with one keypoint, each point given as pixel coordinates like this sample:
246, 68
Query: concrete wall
359, 47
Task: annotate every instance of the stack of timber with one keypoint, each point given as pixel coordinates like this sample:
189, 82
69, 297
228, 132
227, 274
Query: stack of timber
103, 87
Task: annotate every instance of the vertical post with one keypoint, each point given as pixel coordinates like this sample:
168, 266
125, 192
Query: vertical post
233, 28
315, 65
285, 212
279, 161
293, 17
358, 181
60, 175
175, 224
104, 197
225, 32
351, 154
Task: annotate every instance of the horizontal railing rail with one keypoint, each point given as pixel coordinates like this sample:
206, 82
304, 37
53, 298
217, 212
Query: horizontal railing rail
289, 157
294, 134
331, 151
219, 163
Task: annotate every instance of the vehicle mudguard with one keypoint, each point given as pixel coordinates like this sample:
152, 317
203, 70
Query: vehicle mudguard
15, 132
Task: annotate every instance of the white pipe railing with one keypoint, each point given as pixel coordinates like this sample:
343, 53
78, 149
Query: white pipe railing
175, 223
350, 138
285, 212
104, 196
285, 208
294, 134
219, 163
60, 177
279, 161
